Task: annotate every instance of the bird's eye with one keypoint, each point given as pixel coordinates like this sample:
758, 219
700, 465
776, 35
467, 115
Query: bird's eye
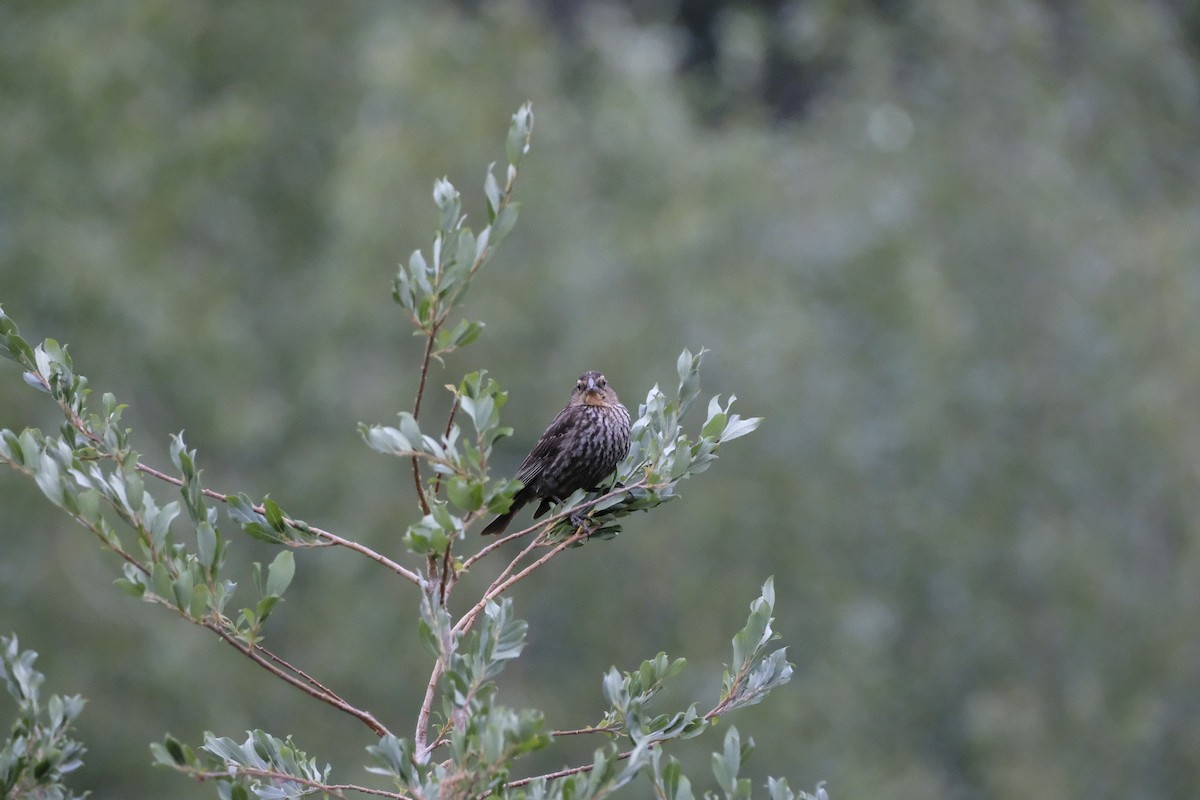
602, 382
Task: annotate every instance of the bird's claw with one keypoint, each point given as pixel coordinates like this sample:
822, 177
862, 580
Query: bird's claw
580, 520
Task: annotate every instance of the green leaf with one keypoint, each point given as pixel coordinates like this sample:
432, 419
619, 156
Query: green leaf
491, 190
506, 219
200, 601
727, 763
174, 749
449, 202
49, 479
130, 588
274, 515
394, 758
206, 543
467, 495
36, 382
280, 573
264, 606
739, 427
261, 532
517, 144
687, 366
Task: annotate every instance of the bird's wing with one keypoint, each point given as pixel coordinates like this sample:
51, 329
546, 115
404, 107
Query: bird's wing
547, 447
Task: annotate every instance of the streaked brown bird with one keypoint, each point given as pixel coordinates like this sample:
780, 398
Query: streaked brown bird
582, 446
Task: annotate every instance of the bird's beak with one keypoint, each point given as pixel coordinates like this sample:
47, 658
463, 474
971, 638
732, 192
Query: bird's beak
592, 394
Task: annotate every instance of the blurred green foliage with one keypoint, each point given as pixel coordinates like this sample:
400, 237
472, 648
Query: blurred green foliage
963, 288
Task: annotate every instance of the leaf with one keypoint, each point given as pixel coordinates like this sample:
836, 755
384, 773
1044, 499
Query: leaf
35, 381
517, 144
687, 366
449, 202
394, 757
385, 439
280, 573
491, 190
274, 515
505, 220
206, 543
130, 587
467, 495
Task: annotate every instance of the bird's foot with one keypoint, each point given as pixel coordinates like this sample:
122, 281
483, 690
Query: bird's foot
581, 521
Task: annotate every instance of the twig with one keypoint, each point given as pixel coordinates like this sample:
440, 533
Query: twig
437, 478
512, 565
468, 619
562, 773
499, 586
582, 731
421, 735
331, 538
467, 564
305, 684
416, 412
297, 671
335, 790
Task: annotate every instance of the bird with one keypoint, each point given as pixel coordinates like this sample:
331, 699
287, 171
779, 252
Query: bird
582, 446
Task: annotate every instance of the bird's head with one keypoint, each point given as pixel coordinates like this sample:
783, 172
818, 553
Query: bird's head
592, 389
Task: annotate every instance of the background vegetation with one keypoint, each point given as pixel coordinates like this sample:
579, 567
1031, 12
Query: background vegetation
949, 249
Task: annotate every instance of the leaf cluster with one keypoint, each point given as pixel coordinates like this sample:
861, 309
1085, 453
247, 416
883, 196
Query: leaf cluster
39, 751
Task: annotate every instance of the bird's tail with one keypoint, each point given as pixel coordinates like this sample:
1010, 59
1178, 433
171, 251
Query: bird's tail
499, 523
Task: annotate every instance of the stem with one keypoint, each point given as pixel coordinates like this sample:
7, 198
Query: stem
495, 590
305, 684
641, 484
498, 587
259, 655
334, 790
562, 773
420, 737
331, 538
416, 464
437, 480
581, 731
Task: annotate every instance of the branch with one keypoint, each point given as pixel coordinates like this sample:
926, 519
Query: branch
498, 587
421, 735
582, 731
416, 464
562, 773
271, 662
334, 790
331, 538
641, 484
79, 424
464, 624
300, 679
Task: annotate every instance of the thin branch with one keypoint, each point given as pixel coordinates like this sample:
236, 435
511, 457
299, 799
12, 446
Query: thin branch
316, 684
501, 584
416, 412
335, 790
512, 565
468, 619
304, 684
421, 736
562, 773
272, 663
331, 538
467, 564
437, 479
361, 549
582, 731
